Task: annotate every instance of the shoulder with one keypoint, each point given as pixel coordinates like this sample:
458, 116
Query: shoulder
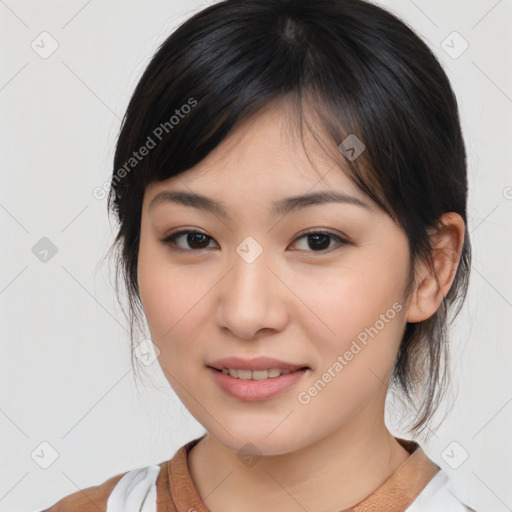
82, 500
113, 494
438, 495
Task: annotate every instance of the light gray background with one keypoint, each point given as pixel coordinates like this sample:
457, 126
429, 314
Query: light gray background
65, 367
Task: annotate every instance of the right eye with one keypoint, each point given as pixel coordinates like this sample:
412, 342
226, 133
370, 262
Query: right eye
193, 239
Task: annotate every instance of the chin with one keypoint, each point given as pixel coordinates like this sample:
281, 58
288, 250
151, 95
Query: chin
247, 442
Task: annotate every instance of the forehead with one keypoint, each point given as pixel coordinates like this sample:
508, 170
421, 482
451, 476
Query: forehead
265, 157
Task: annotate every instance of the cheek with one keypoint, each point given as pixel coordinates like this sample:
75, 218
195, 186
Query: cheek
350, 298
356, 330
163, 293
174, 301
167, 302
357, 313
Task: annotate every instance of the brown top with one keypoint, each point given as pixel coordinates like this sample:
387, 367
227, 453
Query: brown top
92, 499
176, 491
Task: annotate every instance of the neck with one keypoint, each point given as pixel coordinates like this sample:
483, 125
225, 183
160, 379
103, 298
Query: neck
331, 474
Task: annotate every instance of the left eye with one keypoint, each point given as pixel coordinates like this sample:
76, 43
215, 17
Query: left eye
318, 240
321, 239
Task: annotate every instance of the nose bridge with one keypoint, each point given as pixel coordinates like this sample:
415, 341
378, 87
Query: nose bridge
249, 279
249, 297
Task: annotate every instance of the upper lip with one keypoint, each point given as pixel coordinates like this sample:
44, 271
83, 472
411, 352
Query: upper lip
258, 363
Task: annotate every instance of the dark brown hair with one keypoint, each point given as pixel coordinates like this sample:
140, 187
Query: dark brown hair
361, 71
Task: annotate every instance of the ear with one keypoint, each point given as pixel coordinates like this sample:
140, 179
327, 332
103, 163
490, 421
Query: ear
433, 284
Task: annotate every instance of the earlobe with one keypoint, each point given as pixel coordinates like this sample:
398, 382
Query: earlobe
433, 283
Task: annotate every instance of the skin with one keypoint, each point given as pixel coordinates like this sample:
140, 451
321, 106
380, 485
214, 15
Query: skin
294, 302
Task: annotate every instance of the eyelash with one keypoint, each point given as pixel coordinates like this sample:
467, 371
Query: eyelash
171, 239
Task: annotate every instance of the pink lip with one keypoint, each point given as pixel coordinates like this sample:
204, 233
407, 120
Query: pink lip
255, 389
258, 363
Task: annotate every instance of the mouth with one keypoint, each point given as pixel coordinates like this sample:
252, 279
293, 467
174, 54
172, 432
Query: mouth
270, 373
247, 385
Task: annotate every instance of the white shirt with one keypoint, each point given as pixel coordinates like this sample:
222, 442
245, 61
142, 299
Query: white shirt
135, 491
436, 496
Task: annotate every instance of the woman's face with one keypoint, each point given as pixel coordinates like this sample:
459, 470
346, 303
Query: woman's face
256, 285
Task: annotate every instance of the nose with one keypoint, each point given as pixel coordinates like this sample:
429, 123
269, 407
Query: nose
252, 299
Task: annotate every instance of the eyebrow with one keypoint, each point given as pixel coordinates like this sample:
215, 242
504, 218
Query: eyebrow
280, 208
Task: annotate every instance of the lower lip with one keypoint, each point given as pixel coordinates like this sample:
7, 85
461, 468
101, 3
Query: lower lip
255, 389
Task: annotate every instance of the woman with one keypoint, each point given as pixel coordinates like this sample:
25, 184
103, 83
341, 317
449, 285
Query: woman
290, 184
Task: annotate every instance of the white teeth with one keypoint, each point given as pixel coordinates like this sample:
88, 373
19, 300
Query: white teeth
243, 374
256, 374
